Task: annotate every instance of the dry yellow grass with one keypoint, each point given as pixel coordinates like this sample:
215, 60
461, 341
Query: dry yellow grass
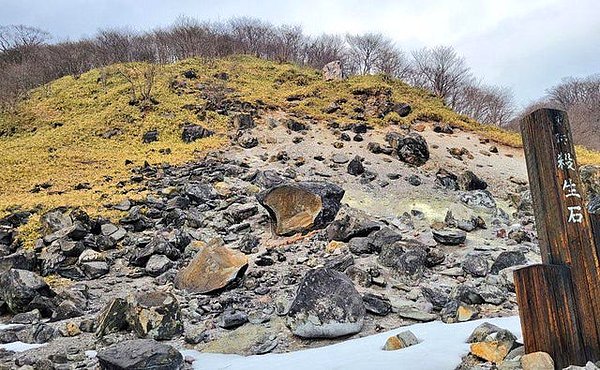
98, 101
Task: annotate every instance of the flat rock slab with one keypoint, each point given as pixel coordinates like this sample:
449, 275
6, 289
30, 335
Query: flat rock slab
213, 268
140, 354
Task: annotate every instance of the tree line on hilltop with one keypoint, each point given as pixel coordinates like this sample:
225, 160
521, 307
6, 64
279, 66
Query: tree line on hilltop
28, 59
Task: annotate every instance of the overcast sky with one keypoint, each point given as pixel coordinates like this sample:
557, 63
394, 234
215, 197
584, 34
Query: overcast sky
527, 45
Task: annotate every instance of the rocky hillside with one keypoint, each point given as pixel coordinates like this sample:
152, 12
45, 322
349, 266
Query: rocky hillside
248, 207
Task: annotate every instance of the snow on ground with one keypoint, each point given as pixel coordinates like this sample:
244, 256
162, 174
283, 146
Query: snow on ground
442, 346
17, 346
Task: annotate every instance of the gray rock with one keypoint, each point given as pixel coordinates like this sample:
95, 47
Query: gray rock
449, 237
508, 259
355, 167
413, 313
481, 199
326, 306
140, 354
157, 264
476, 265
191, 132
377, 305
247, 140
232, 319
339, 158
482, 332
20, 288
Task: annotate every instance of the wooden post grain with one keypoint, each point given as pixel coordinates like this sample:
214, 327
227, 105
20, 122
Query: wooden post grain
565, 239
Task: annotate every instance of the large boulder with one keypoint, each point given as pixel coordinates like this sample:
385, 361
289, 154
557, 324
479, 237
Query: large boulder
214, 268
302, 206
332, 71
327, 305
140, 354
155, 315
22, 289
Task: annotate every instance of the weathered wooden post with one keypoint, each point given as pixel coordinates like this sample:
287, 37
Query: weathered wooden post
559, 300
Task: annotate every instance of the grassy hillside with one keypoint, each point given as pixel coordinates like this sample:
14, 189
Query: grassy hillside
53, 141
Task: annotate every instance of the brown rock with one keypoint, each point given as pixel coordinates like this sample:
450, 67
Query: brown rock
213, 268
537, 361
332, 71
400, 340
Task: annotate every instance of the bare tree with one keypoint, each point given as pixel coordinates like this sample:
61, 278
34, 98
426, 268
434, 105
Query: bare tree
366, 51
440, 70
251, 35
324, 49
16, 41
487, 104
393, 62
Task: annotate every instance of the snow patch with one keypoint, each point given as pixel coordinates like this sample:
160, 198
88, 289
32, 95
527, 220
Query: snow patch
20, 346
441, 347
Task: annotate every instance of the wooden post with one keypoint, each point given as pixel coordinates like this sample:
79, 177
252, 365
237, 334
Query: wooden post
565, 239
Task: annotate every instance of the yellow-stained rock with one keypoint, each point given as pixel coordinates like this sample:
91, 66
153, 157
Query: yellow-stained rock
466, 313
494, 351
213, 268
71, 329
333, 245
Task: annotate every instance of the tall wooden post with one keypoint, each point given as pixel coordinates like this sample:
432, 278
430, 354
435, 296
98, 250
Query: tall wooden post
559, 301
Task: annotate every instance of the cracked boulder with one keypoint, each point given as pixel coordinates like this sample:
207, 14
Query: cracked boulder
301, 207
327, 305
215, 267
23, 290
155, 315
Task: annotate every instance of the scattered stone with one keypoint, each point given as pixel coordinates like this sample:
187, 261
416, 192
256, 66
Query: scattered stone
215, 267
508, 259
157, 264
140, 354
376, 305
192, 132
400, 340
339, 158
413, 313
326, 306
355, 167
232, 319
150, 137
301, 206
469, 181
449, 237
